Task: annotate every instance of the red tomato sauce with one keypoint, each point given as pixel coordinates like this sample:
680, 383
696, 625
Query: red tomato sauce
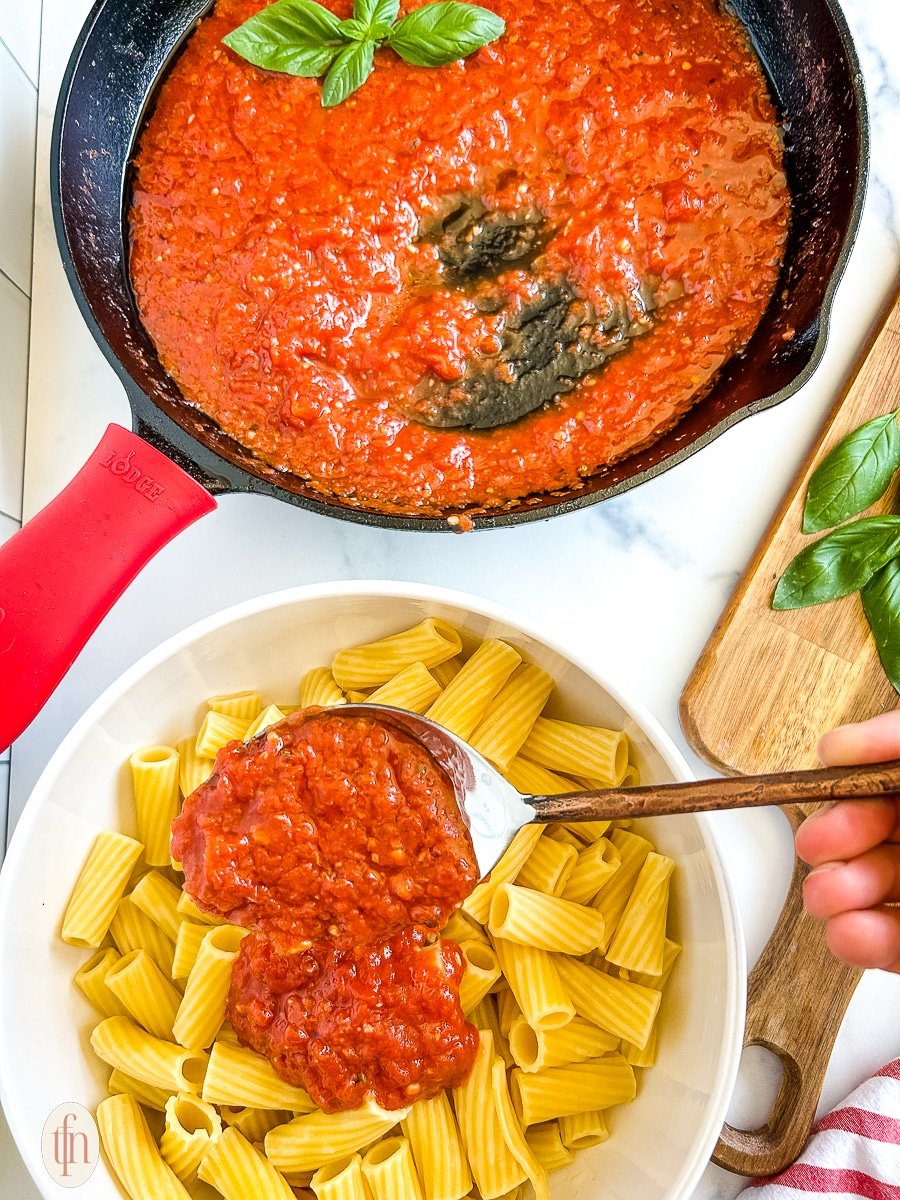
326, 828
339, 840
381, 1020
282, 265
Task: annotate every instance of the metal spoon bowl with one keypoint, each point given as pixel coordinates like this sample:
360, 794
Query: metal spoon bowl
495, 811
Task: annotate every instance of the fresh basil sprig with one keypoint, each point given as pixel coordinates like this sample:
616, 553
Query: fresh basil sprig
301, 37
860, 556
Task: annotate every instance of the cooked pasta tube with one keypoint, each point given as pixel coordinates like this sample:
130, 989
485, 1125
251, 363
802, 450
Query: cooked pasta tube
546, 1144
430, 642
193, 769
270, 715
91, 978
154, 775
627, 1010
548, 867
437, 1149
484, 1016
191, 1128
513, 1134
187, 946
255, 1123
239, 1077
157, 898
640, 933
189, 909
481, 973
495, 1169
133, 1153
593, 868
319, 688
580, 1087
460, 928
99, 889
530, 918
389, 1171
202, 1009
477, 904
589, 831
535, 982
508, 719
464, 700
581, 1130
533, 780
237, 1169
414, 689
445, 671
341, 1180
147, 995
132, 929
318, 1138
145, 1093
535, 1049
123, 1044
671, 950
217, 730
578, 749
243, 705
613, 895
564, 834
507, 1011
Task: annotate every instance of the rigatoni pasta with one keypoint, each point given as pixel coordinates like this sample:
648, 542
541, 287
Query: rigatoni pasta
566, 952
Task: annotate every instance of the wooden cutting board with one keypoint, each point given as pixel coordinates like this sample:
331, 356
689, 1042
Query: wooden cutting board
765, 688
769, 684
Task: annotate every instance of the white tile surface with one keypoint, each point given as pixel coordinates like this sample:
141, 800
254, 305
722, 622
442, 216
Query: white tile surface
18, 123
14, 312
20, 29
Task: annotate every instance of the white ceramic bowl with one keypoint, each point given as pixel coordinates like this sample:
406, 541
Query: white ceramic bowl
660, 1143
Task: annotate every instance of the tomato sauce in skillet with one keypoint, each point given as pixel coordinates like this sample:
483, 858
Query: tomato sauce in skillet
464, 285
338, 839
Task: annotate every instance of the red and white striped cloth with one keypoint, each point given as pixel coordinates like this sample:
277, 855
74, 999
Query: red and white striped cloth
852, 1152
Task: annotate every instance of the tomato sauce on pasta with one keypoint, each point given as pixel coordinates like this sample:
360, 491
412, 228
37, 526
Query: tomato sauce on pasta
464, 286
338, 838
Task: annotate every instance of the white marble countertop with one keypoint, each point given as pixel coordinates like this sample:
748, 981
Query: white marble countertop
656, 565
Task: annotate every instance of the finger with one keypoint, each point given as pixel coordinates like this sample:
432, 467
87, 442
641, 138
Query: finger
875, 740
866, 939
846, 829
864, 882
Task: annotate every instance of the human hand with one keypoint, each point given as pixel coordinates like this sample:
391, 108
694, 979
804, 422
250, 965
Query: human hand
854, 849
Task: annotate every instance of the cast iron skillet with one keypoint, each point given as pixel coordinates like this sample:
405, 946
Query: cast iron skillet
61, 573
124, 48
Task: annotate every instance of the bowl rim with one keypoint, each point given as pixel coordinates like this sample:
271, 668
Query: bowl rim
735, 948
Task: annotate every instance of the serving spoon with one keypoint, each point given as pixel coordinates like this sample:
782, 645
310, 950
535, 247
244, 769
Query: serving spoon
495, 811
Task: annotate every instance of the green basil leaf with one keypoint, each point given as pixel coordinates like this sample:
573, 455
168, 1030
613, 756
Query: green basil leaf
376, 12
443, 32
881, 604
350, 70
353, 30
838, 564
854, 475
298, 37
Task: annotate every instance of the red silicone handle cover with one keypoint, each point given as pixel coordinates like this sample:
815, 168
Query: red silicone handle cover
63, 571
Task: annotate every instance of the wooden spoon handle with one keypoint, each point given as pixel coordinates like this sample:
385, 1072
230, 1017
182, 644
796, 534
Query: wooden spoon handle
707, 795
